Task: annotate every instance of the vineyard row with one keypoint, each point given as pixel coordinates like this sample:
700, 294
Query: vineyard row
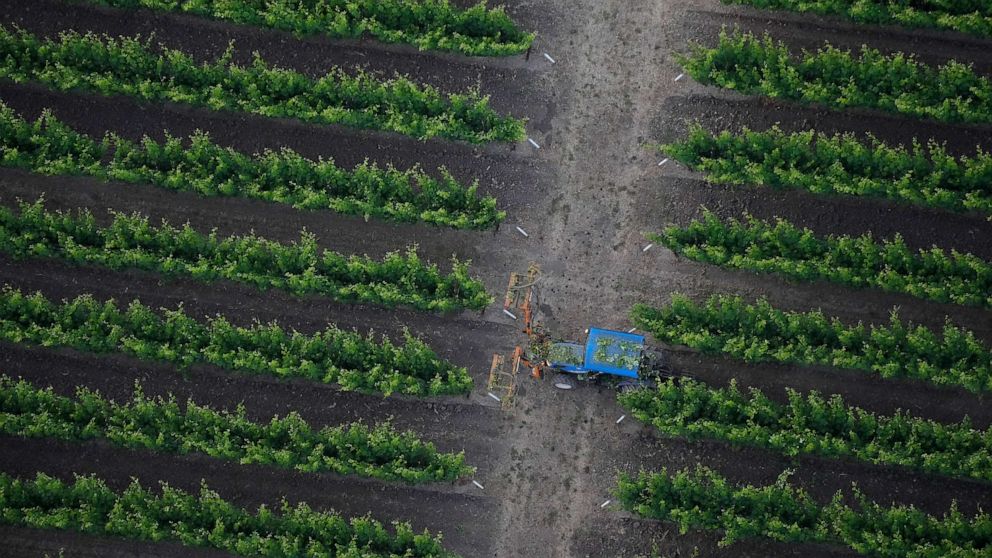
162, 425
347, 358
702, 499
812, 424
782, 248
840, 165
48, 146
434, 25
206, 520
898, 83
129, 66
300, 267
965, 16
762, 333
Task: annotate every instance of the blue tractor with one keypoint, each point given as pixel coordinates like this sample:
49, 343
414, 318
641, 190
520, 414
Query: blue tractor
618, 357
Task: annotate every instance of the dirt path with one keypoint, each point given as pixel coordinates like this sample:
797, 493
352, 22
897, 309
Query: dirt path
602, 125
598, 143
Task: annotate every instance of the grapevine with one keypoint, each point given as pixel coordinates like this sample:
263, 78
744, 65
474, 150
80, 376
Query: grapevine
129, 66
427, 24
702, 499
813, 424
782, 248
49, 146
965, 16
300, 267
896, 83
203, 520
162, 425
841, 164
762, 333
347, 358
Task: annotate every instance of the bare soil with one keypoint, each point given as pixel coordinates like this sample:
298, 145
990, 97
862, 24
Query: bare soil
585, 198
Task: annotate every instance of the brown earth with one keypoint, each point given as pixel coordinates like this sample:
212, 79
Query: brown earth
585, 199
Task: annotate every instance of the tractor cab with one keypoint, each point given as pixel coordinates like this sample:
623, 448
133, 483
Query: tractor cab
615, 357
612, 354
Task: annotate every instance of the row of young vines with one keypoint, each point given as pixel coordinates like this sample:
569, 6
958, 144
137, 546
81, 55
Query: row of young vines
205, 520
840, 164
346, 358
838, 79
163, 425
129, 66
428, 25
809, 423
782, 248
702, 499
762, 333
199, 165
965, 16
131, 241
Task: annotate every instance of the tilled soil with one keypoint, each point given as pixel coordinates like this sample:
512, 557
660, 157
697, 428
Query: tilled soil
585, 199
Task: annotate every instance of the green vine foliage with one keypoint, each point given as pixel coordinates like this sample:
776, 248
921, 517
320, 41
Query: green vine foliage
861, 261
49, 146
162, 425
129, 66
897, 83
565, 354
760, 332
702, 499
300, 267
206, 520
347, 358
427, 24
973, 17
813, 424
840, 165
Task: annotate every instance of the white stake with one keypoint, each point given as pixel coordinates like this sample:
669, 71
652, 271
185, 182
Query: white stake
493, 395
646, 248
523, 232
548, 56
680, 76
606, 503
632, 330
479, 485
663, 161
534, 143
508, 313
621, 418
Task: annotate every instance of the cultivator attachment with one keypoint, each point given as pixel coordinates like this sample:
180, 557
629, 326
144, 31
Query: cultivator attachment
502, 383
520, 295
518, 303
